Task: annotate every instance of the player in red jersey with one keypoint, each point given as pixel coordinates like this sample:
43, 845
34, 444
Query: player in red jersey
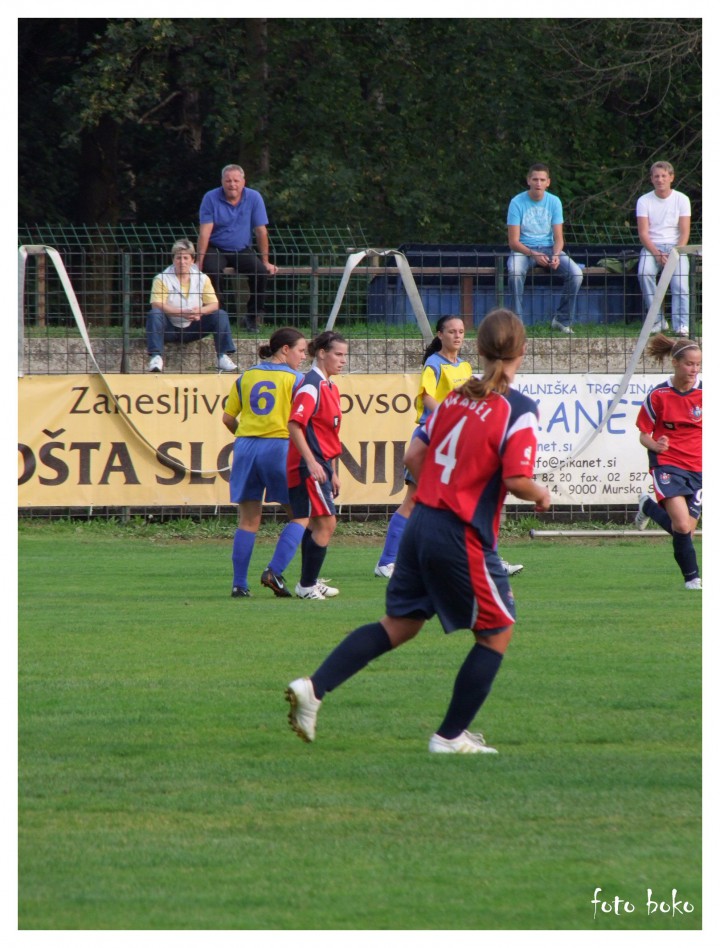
479, 444
313, 483
670, 423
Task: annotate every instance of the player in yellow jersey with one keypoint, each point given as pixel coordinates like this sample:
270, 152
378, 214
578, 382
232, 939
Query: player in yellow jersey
257, 412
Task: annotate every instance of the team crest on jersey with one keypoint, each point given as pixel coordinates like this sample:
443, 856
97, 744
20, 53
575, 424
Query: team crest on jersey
664, 477
696, 412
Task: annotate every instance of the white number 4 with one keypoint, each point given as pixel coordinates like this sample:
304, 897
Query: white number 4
446, 450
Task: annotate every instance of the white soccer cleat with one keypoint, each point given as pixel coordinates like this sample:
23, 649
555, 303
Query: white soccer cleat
385, 571
641, 518
465, 743
155, 364
327, 591
304, 707
694, 583
308, 592
510, 569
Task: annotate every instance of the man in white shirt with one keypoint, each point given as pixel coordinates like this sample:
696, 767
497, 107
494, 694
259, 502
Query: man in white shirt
663, 222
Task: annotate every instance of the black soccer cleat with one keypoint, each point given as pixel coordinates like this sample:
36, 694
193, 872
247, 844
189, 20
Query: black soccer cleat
240, 592
276, 583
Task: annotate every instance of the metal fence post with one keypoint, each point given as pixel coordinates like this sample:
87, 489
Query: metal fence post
314, 293
126, 299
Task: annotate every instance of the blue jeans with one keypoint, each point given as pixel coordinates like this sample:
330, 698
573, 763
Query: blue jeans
679, 285
159, 330
518, 266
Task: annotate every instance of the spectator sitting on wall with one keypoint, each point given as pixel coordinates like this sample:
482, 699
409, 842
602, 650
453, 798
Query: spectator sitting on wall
535, 235
184, 308
229, 217
663, 222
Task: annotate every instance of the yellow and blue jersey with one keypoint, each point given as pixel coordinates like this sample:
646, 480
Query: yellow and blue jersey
439, 377
261, 399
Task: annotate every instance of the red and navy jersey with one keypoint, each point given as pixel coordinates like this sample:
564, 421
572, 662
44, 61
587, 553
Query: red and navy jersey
666, 411
316, 406
472, 446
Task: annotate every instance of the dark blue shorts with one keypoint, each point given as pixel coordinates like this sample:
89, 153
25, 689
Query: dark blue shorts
442, 569
671, 481
259, 470
310, 499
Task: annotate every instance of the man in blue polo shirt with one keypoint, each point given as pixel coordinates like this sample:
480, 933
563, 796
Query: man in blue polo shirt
229, 217
535, 235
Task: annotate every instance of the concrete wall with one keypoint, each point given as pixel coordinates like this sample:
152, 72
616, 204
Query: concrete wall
596, 355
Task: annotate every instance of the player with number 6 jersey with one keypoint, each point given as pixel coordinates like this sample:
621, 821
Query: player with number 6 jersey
257, 412
479, 444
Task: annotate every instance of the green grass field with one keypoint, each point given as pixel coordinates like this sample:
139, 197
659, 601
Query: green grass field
161, 788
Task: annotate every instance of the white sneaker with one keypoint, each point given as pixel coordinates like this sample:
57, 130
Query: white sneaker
155, 364
466, 743
641, 518
561, 327
327, 591
659, 326
304, 707
308, 592
510, 569
694, 584
684, 331
225, 363
385, 571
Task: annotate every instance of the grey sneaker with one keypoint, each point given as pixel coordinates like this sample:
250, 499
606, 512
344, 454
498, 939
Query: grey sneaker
641, 518
155, 364
385, 571
694, 584
466, 743
561, 327
304, 707
510, 569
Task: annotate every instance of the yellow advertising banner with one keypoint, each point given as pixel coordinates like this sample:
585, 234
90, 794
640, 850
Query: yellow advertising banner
76, 448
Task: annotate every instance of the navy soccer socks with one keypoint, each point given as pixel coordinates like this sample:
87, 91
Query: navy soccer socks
685, 555
354, 652
472, 686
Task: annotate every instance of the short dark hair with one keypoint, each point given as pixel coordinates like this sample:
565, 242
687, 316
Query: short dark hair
539, 166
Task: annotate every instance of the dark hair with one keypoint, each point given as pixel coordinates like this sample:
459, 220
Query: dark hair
286, 336
539, 166
324, 341
660, 347
436, 344
500, 339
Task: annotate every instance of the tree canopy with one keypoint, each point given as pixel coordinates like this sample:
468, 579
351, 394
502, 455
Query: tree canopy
416, 129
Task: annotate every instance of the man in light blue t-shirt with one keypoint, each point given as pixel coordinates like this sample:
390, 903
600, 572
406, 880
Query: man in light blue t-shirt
535, 235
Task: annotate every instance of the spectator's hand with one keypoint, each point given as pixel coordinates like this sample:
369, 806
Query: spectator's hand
271, 268
554, 262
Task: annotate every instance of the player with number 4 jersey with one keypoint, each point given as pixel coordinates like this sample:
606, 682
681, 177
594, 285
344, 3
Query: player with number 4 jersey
479, 444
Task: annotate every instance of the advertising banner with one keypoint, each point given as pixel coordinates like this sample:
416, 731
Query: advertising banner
76, 448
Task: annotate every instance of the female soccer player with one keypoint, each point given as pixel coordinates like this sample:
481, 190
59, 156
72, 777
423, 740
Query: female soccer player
670, 423
479, 444
443, 371
313, 483
257, 412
